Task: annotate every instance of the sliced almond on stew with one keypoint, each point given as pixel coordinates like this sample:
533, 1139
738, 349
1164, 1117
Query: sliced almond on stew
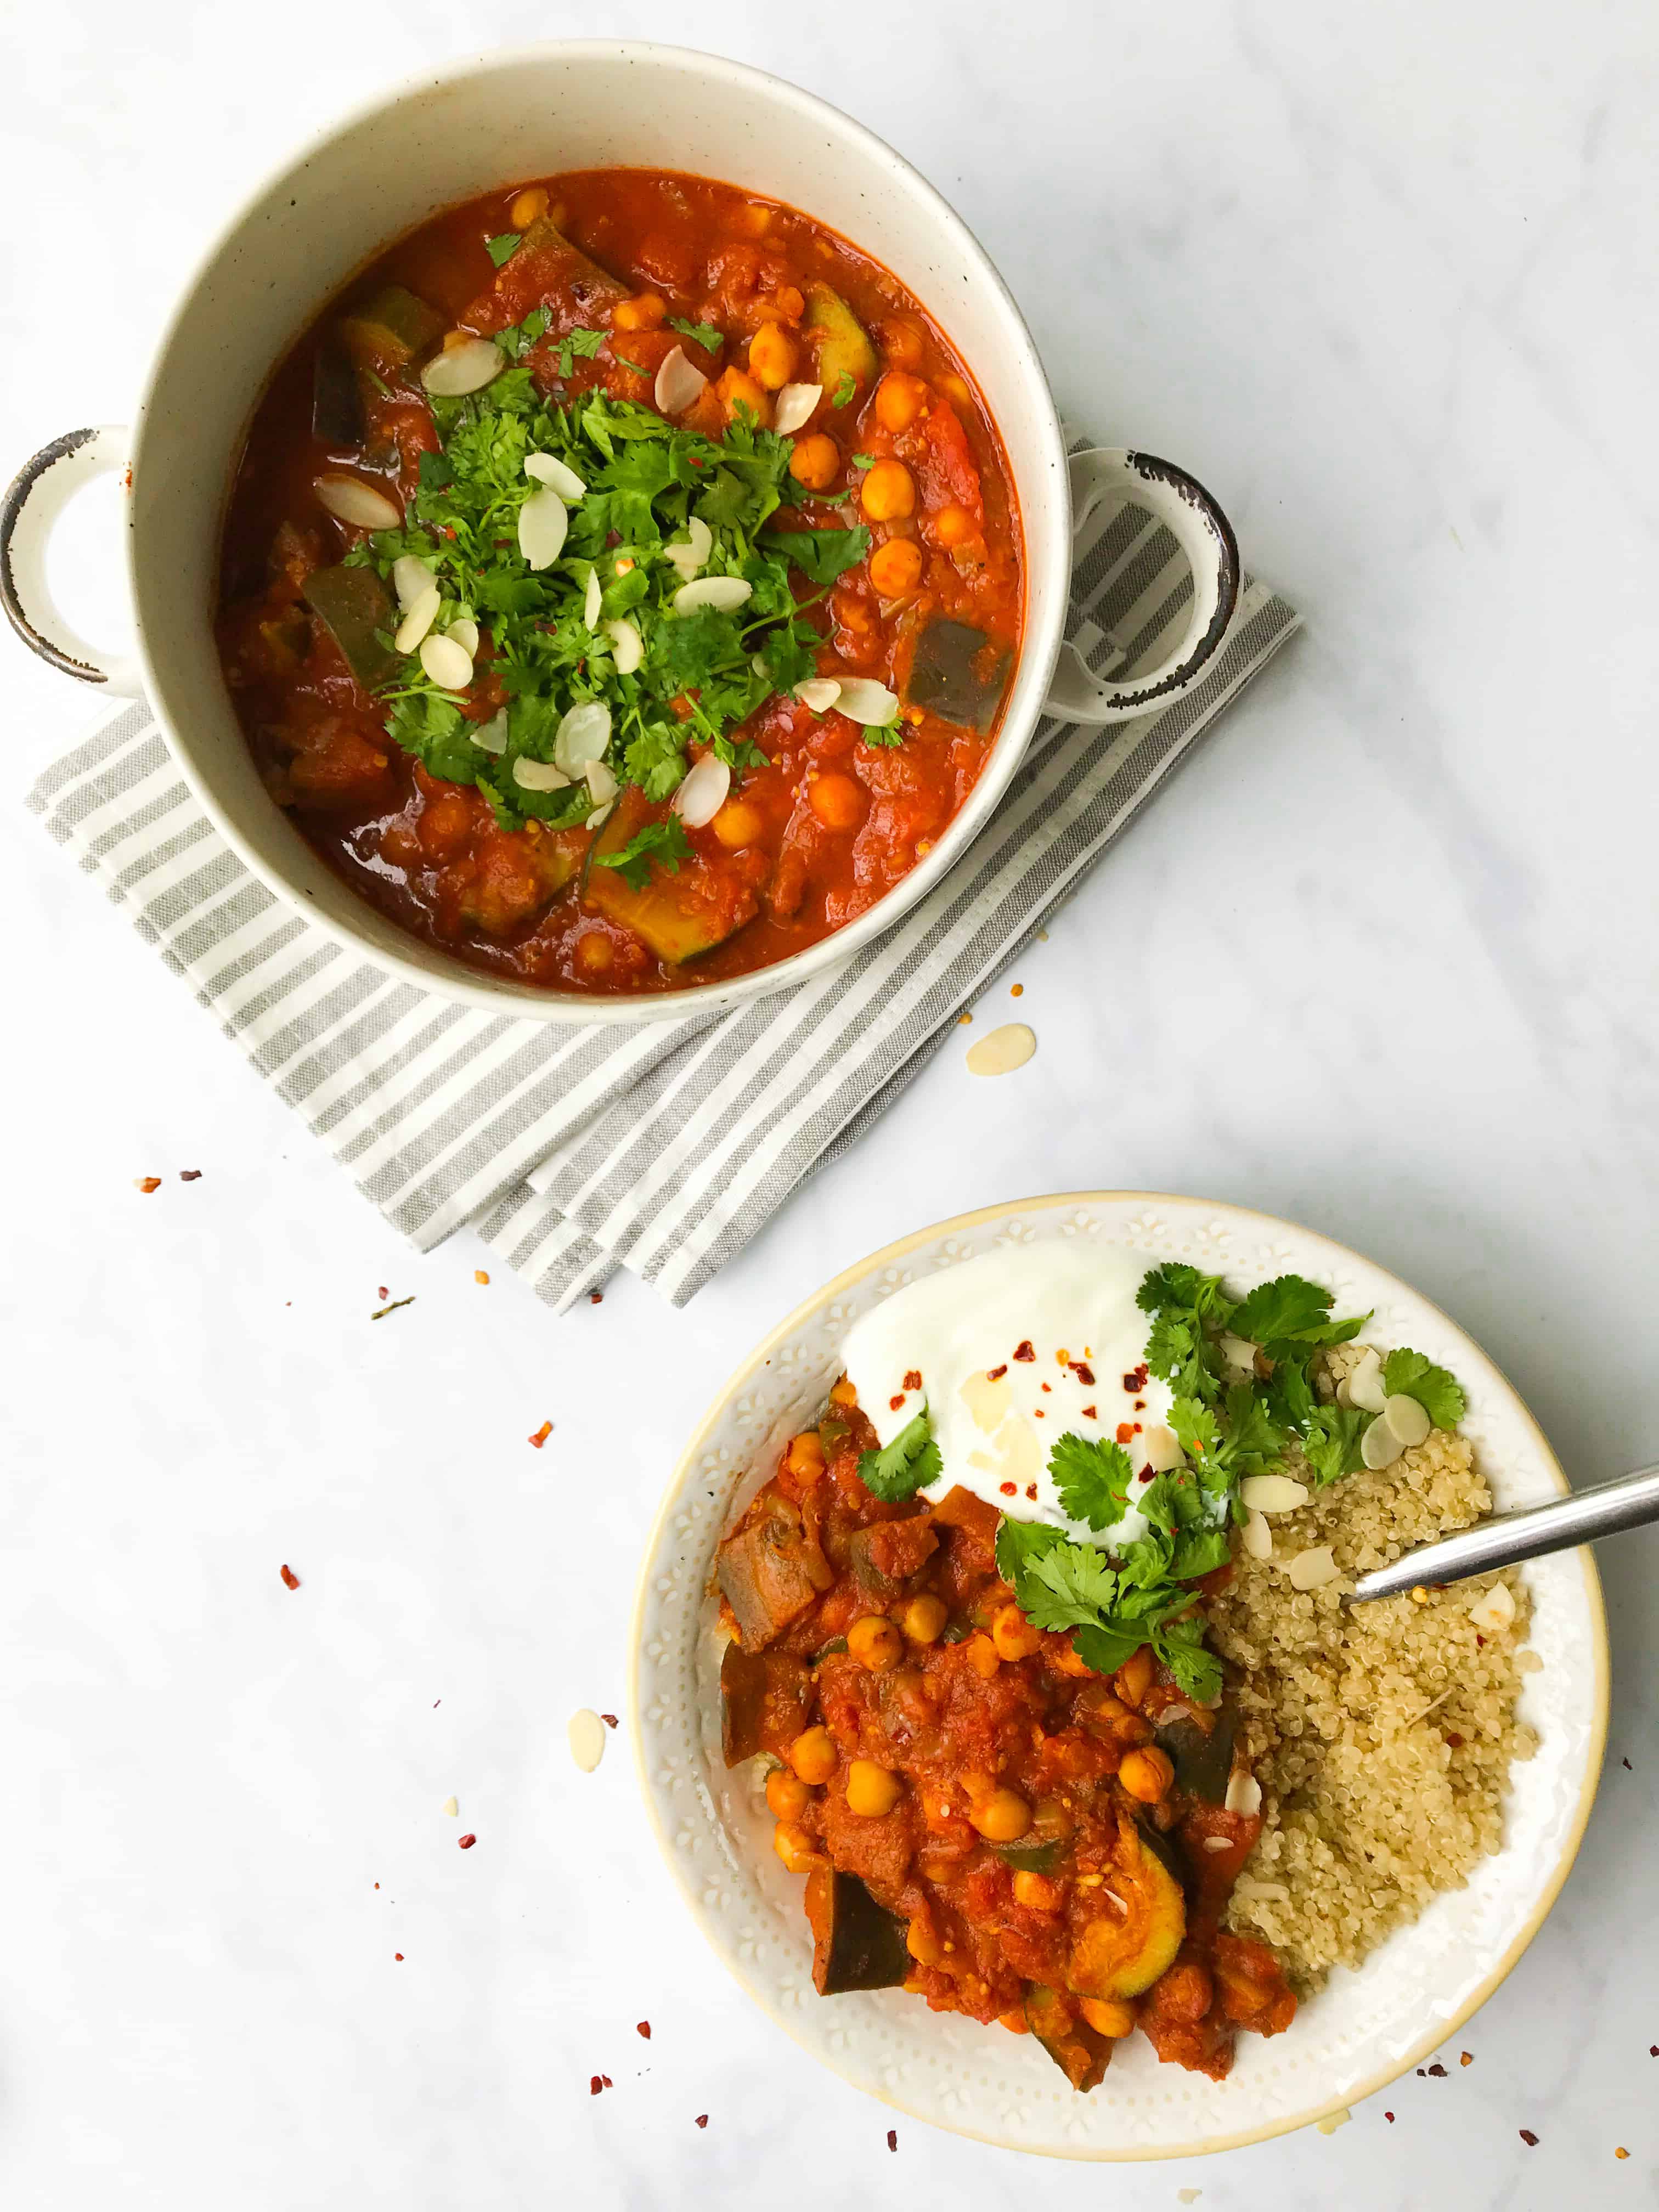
863, 699
795, 406
548, 469
1244, 1793
540, 776
702, 791
1162, 1448
583, 735
411, 578
422, 613
627, 645
463, 368
593, 600
678, 384
544, 521
1240, 1355
602, 785
724, 592
490, 737
464, 631
348, 498
689, 553
1272, 1493
820, 693
448, 664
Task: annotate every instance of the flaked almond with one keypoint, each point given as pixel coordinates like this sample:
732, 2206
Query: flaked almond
602, 785
1379, 1447
1217, 1843
548, 469
702, 791
1257, 1537
1240, 1355
490, 737
689, 553
820, 693
1365, 1383
1272, 1493
583, 734
1264, 1893
1406, 1418
678, 384
452, 1806
348, 498
794, 407
462, 368
586, 1734
1162, 1448
422, 613
863, 699
723, 592
626, 644
464, 631
1003, 1050
1312, 1569
593, 600
1244, 1794
1494, 1609
540, 776
411, 578
448, 664
544, 521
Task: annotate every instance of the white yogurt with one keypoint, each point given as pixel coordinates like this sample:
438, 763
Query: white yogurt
1009, 1352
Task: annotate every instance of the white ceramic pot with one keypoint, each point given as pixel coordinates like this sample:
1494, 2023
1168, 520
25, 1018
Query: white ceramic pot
456, 133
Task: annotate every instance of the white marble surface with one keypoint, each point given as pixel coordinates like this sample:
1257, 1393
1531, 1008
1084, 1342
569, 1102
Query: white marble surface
1382, 960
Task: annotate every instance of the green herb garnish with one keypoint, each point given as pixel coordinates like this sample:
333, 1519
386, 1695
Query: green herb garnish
845, 389
1409, 1375
908, 1464
703, 334
578, 345
662, 844
823, 554
501, 248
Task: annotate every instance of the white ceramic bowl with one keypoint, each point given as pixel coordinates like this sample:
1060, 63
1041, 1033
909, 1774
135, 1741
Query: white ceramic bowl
1365, 2028
454, 134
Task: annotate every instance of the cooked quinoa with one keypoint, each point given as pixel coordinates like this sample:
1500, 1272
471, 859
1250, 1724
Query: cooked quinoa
1381, 1734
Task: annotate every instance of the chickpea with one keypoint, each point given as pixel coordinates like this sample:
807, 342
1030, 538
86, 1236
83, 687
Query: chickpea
899, 399
595, 953
895, 567
813, 1755
956, 390
925, 1617
755, 218
528, 207
815, 462
788, 302
805, 1456
888, 492
1015, 2021
871, 1790
1035, 1892
875, 1643
836, 800
953, 525
795, 1848
981, 1655
787, 1795
1001, 1818
841, 1393
1134, 1677
773, 355
736, 388
923, 1944
1108, 2016
645, 312
736, 824
1147, 1773
901, 343
1013, 1635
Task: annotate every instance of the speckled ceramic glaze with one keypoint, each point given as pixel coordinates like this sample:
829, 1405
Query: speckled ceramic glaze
1365, 2028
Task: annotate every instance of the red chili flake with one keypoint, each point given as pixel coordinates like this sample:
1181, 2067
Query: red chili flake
1016, 990
397, 1955
1466, 2058
1009, 1489
1653, 2051
1436, 2073
996, 1374
1628, 1768
1620, 2152
1454, 1741
377, 1885
383, 1293
466, 1841
596, 1297
1031, 1490
1038, 1413
1136, 1378
1419, 2073
595, 2085
1140, 1405
1389, 2117
190, 1175
148, 1183
610, 1719
892, 2133
290, 1579
1024, 1349
1145, 1474
607, 2081
1089, 1413
1085, 1374
702, 2119
541, 1435
913, 1378
1480, 1643
642, 2027
1528, 2138
1125, 1430
1048, 1387
894, 1403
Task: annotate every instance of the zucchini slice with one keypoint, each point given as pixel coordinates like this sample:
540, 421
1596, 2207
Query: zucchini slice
389, 329
843, 344
354, 604
1081, 2053
857, 1944
676, 916
1119, 1955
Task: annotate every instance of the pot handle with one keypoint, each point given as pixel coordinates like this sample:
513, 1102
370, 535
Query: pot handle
34, 499
1204, 536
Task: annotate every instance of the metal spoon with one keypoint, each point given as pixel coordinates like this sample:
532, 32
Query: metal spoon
1506, 1538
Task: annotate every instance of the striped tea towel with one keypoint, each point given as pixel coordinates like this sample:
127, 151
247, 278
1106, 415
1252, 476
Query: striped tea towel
664, 1147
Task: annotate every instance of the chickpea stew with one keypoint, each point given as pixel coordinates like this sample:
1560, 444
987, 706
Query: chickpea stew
621, 583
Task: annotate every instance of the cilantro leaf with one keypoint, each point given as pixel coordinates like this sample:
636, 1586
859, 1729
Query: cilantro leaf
1331, 1443
1409, 1375
501, 248
908, 1464
579, 344
1067, 1586
1105, 1646
864, 461
703, 334
519, 338
823, 554
1091, 1479
1197, 1671
1289, 1311
845, 391
662, 844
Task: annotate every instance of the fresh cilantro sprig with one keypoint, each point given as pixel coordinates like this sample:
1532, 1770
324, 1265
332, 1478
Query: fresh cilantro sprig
706, 335
664, 843
578, 345
1409, 1375
908, 1464
502, 247
1091, 1479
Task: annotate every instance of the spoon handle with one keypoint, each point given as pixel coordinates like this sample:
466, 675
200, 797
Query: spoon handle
1506, 1538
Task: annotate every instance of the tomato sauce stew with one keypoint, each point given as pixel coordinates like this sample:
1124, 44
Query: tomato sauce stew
981, 1819
621, 583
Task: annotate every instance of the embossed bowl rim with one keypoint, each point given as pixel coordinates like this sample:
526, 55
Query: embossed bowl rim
1477, 1363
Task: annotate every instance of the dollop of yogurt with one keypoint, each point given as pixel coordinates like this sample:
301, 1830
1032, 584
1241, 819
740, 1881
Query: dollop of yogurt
1009, 1352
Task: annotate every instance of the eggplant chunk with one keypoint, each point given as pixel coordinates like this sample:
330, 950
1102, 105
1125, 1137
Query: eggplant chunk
1203, 1759
769, 1572
677, 916
765, 1696
557, 265
389, 329
1081, 2053
958, 675
857, 1944
1120, 1954
337, 403
843, 344
355, 603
